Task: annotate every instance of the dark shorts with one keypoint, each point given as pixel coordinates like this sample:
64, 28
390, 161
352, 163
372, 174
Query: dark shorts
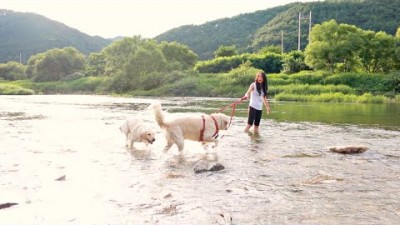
254, 116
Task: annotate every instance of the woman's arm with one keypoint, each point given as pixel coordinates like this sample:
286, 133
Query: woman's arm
266, 103
247, 94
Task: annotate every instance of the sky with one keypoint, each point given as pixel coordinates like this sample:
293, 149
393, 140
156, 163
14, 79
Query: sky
147, 18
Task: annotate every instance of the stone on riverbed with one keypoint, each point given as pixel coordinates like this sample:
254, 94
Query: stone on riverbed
204, 166
349, 149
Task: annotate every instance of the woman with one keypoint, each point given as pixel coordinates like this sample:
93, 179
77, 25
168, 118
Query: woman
258, 95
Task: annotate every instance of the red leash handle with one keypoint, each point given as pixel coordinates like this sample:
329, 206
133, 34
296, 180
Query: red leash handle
233, 105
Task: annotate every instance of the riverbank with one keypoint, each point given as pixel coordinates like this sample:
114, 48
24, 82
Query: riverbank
305, 86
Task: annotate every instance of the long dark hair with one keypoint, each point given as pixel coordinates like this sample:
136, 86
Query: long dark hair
264, 85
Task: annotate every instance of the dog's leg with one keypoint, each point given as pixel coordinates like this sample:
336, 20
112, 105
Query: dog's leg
216, 143
179, 140
168, 146
131, 141
170, 142
180, 144
126, 140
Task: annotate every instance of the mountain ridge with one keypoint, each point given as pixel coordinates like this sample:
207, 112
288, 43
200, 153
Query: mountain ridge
26, 34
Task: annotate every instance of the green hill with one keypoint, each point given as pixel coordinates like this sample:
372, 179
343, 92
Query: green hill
26, 34
252, 31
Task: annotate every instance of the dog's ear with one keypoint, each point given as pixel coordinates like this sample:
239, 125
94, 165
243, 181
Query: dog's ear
142, 136
226, 124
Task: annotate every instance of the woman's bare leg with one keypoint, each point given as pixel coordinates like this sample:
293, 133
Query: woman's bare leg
247, 128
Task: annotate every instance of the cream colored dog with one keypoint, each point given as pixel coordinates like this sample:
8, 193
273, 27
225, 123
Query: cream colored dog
203, 128
135, 130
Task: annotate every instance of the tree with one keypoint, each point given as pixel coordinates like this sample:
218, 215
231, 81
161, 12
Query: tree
12, 71
148, 58
333, 46
178, 56
130, 60
376, 54
397, 50
31, 70
224, 51
117, 54
96, 64
293, 62
56, 64
270, 49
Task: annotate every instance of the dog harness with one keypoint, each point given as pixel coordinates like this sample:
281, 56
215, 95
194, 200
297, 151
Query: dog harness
204, 128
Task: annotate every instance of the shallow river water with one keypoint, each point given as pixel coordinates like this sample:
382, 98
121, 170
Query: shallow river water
63, 161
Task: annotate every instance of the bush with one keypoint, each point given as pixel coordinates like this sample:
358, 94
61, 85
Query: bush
307, 77
278, 79
365, 82
220, 64
9, 89
269, 63
12, 71
85, 84
243, 75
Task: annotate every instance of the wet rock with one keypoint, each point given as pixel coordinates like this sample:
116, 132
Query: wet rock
349, 149
203, 166
62, 178
200, 166
168, 195
216, 167
171, 209
7, 205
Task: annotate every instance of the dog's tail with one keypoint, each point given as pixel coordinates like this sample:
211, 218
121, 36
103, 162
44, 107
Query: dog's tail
159, 115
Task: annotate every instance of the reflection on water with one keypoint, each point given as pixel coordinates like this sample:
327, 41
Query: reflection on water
63, 160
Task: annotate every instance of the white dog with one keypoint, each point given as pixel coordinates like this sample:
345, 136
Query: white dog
202, 128
136, 130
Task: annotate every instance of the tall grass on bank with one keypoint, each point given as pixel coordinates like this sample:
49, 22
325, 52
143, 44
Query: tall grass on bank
10, 89
306, 89
87, 85
333, 97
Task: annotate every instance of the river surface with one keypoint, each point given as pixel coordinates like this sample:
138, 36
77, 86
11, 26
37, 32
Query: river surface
63, 161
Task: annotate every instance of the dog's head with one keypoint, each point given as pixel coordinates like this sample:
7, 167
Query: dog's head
148, 136
223, 120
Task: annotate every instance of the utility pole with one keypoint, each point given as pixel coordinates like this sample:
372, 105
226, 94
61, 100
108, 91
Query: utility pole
299, 33
309, 29
282, 49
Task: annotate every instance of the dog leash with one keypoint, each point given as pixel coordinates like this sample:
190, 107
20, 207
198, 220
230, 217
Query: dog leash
233, 105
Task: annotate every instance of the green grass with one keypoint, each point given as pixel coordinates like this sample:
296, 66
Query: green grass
333, 97
11, 89
282, 87
306, 89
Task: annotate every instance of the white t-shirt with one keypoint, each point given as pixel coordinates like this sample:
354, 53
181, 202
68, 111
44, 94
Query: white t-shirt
256, 99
